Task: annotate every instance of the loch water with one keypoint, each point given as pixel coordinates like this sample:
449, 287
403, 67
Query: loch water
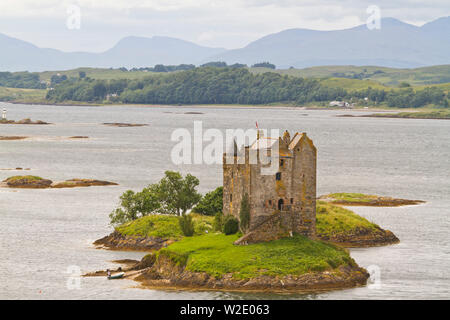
46, 235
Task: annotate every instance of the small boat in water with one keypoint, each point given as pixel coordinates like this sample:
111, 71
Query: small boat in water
116, 276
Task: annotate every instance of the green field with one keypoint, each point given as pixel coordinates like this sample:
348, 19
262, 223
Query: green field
22, 95
216, 255
332, 220
384, 76
164, 226
98, 73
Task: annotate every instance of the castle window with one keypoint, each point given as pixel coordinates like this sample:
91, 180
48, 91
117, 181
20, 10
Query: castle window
280, 204
281, 163
231, 198
270, 202
278, 176
292, 200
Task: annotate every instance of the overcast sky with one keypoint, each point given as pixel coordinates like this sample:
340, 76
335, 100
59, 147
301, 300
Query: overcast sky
219, 23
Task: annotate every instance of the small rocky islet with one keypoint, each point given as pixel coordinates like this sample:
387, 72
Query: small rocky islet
365, 200
35, 182
24, 121
177, 262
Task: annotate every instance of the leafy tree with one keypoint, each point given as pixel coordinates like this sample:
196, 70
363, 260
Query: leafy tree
404, 85
173, 194
178, 194
82, 74
186, 225
215, 64
244, 213
230, 225
264, 65
211, 203
135, 205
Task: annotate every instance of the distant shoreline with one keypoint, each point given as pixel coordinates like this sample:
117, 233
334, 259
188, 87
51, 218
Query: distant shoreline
213, 106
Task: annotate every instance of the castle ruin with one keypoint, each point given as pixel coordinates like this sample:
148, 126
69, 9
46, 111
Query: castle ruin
283, 202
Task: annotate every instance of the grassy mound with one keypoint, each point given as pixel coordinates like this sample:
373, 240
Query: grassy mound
332, 220
23, 178
216, 255
164, 226
352, 197
360, 199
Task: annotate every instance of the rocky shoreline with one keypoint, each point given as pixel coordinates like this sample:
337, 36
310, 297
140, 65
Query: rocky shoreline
24, 121
118, 241
362, 238
163, 273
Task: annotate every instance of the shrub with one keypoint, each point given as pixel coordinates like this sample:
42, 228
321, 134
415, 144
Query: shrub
186, 225
218, 221
231, 225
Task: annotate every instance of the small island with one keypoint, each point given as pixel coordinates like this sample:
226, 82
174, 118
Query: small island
431, 114
124, 125
11, 138
268, 235
35, 182
360, 199
23, 121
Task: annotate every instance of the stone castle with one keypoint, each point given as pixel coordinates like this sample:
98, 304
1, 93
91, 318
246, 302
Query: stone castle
281, 203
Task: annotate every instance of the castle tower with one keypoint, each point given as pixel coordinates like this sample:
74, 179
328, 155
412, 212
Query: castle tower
287, 195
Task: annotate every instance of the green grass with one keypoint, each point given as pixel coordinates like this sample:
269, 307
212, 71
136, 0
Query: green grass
216, 255
352, 197
27, 178
22, 95
431, 114
98, 73
353, 84
331, 219
383, 76
164, 226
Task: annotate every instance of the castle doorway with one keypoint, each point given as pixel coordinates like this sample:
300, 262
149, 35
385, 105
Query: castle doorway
280, 204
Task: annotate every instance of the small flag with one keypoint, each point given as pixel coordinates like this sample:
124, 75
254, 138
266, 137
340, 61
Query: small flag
257, 125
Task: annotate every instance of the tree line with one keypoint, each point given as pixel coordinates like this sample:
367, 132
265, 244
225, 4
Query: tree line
25, 80
207, 85
226, 85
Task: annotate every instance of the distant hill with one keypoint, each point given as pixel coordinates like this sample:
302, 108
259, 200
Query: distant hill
396, 44
18, 55
386, 76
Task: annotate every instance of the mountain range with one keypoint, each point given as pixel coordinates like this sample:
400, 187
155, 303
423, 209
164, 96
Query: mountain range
396, 44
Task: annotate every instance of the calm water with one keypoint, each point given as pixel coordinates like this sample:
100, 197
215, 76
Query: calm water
45, 232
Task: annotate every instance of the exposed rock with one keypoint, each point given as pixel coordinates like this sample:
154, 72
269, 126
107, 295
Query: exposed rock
2, 138
119, 124
361, 237
166, 274
376, 202
74, 183
118, 241
31, 182
24, 121
27, 182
